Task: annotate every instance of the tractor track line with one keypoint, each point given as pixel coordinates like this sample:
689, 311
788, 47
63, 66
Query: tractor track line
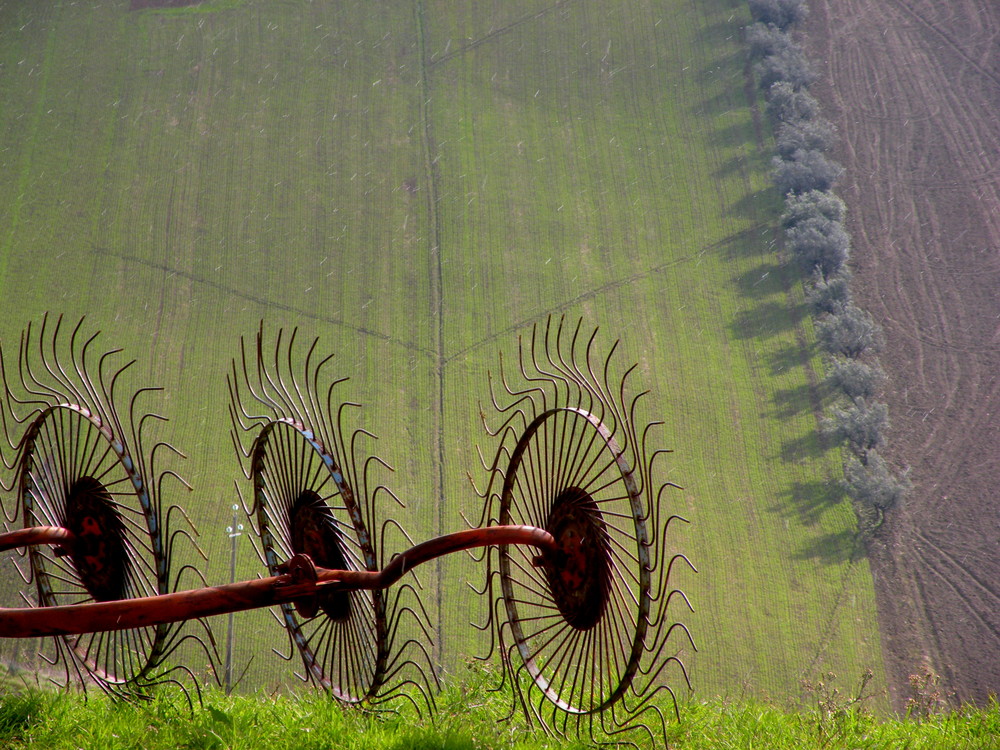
432, 178
949, 558
955, 46
609, 286
993, 628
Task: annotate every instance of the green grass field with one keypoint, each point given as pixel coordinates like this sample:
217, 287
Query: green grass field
417, 183
468, 720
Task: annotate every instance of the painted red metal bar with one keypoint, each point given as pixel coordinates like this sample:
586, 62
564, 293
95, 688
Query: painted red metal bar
302, 582
36, 535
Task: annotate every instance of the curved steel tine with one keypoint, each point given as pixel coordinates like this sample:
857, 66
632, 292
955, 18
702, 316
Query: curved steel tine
236, 413
255, 386
88, 390
243, 506
279, 392
104, 394
24, 367
44, 359
237, 399
173, 475
674, 559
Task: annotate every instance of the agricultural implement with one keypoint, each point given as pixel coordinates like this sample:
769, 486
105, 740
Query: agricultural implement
573, 532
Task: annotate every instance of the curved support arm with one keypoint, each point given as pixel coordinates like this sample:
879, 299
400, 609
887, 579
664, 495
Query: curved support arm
401, 564
35, 535
303, 581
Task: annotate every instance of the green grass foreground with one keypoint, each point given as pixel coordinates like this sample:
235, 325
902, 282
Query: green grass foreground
467, 717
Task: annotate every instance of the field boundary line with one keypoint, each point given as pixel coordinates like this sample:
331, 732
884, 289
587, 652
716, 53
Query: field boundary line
850, 568
497, 32
263, 301
609, 286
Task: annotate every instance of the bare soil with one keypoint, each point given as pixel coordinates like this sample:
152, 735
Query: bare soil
914, 88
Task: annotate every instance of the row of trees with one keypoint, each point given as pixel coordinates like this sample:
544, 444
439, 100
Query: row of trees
813, 222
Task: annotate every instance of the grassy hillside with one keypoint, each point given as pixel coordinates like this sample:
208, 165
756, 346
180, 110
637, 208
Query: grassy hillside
416, 183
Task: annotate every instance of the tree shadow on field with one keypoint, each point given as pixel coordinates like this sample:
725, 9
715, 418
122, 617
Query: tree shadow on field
835, 548
790, 402
785, 358
733, 165
723, 5
769, 313
731, 135
766, 319
796, 450
808, 501
754, 205
727, 100
712, 32
763, 281
756, 241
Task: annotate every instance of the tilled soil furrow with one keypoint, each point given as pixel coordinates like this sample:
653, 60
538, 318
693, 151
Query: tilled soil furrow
913, 87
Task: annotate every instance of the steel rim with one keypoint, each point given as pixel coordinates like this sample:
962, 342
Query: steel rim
305, 505
75, 474
581, 660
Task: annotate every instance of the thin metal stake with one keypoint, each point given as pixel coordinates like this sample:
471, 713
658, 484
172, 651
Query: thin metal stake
234, 531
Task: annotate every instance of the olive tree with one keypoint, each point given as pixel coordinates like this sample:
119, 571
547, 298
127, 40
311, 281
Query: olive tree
786, 103
805, 170
848, 333
856, 380
816, 134
872, 484
781, 13
830, 295
785, 64
765, 39
812, 204
819, 244
861, 425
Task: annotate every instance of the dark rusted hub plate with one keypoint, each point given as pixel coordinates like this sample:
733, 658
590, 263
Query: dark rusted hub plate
577, 573
98, 550
315, 533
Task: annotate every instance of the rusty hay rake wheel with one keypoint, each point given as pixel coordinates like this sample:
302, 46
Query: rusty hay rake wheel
82, 469
313, 495
583, 630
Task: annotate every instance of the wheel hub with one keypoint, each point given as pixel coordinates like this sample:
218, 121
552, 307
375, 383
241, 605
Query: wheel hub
315, 533
98, 551
577, 572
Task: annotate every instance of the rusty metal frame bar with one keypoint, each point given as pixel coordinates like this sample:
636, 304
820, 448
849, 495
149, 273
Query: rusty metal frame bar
302, 581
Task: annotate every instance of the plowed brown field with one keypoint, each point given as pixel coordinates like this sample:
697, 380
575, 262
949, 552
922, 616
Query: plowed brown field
914, 87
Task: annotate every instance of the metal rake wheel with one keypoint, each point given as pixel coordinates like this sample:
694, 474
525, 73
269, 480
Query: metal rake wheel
312, 496
82, 471
583, 630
